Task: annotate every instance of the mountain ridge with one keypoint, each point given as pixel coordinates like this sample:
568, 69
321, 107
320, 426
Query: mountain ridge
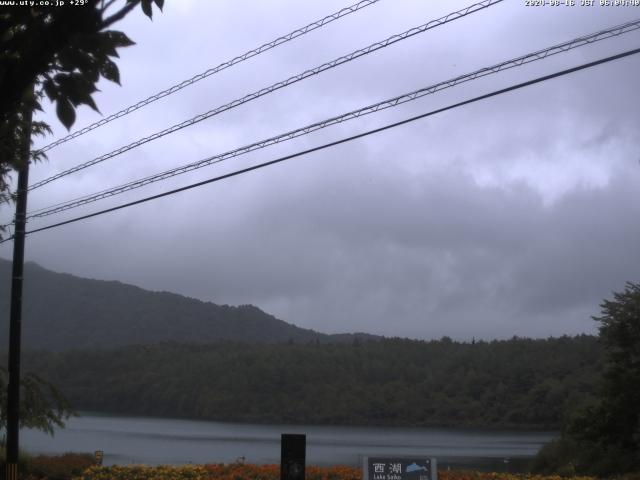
62, 311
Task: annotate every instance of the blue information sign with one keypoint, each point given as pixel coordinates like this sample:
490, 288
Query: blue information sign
399, 468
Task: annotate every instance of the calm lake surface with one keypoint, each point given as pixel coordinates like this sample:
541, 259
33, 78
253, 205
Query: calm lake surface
153, 441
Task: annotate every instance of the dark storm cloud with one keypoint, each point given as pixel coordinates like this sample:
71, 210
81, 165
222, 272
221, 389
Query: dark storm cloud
510, 216
441, 251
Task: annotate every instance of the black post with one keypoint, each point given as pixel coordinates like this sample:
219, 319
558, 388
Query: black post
15, 321
293, 456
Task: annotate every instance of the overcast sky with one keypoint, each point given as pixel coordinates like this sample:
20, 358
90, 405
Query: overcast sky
517, 215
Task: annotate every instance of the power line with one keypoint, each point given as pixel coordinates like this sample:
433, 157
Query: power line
392, 102
344, 140
223, 66
538, 55
276, 86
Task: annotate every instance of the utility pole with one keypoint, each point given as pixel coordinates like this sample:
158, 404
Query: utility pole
15, 319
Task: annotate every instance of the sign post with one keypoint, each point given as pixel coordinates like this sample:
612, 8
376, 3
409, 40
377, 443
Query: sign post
15, 318
293, 456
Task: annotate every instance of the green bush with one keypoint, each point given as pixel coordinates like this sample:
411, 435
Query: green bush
59, 467
568, 457
23, 458
557, 457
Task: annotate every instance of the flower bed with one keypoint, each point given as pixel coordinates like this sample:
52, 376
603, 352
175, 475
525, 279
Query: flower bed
270, 472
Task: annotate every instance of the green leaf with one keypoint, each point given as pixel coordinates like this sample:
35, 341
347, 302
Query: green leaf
92, 74
82, 96
76, 88
71, 58
105, 46
40, 128
66, 113
50, 89
109, 70
159, 3
146, 8
118, 39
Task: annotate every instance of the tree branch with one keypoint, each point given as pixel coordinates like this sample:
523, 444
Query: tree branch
119, 15
104, 7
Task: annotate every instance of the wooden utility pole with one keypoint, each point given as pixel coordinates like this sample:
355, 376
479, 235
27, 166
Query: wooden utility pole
15, 319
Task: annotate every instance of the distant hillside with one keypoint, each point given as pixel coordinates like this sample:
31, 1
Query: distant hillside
62, 311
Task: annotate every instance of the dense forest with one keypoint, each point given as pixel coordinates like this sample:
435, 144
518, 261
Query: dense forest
517, 383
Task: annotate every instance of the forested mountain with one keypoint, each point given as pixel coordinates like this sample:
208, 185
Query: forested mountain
149, 353
61, 311
516, 383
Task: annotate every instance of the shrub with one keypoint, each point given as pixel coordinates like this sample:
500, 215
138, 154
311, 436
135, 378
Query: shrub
23, 458
237, 471
60, 467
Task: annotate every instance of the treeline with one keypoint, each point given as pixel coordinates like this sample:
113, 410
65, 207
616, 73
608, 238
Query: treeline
517, 383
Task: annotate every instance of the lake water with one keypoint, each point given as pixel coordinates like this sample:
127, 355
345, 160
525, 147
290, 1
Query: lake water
153, 441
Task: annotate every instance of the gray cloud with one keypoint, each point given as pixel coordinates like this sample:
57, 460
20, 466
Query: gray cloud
514, 216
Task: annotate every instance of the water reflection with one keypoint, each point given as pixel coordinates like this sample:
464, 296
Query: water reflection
153, 441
